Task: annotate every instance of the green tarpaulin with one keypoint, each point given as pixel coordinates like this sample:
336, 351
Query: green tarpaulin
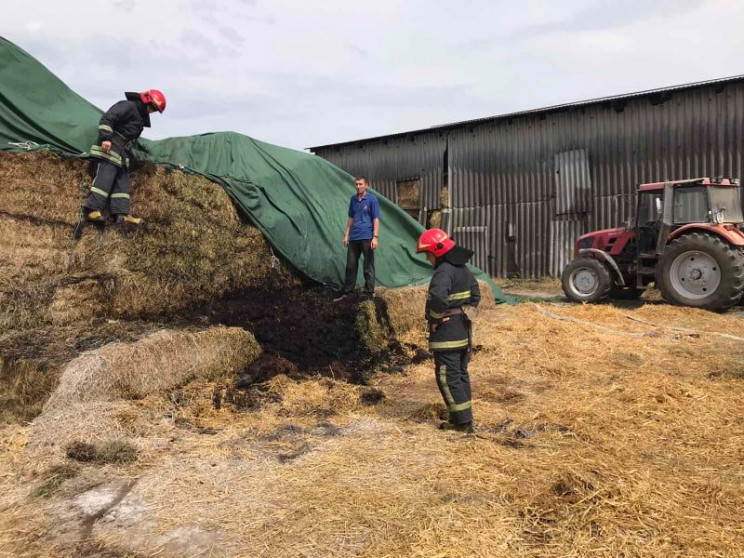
298, 200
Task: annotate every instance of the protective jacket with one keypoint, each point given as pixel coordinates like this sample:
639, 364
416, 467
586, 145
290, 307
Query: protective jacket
122, 124
451, 288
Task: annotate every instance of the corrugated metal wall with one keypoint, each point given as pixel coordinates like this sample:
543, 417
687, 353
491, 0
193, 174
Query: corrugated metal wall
386, 162
549, 177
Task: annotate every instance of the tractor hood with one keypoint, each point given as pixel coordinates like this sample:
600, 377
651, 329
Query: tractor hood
608, 233
603, 239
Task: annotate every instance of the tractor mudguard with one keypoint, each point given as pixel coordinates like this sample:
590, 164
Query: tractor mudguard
609, 259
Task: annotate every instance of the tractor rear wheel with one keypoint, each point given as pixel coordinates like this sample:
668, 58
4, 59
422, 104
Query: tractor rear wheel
701, 270
586, 280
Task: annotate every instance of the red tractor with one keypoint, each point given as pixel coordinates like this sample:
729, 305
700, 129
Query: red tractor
688, 239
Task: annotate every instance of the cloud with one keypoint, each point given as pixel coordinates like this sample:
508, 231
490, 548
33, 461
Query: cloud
300, 73
594, 17
231, 35
613, 15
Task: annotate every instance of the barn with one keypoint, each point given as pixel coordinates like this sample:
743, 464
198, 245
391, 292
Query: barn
519, 188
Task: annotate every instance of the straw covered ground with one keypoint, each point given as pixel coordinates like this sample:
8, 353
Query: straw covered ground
609, 435
134, 423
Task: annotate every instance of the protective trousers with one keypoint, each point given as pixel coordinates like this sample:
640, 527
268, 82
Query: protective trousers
454, 383
112, 182
356, 249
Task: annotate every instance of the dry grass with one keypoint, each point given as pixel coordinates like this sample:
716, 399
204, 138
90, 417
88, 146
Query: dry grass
589, 443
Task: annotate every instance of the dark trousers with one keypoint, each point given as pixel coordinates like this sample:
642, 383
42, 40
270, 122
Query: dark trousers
110, 182
451, 371
356, 249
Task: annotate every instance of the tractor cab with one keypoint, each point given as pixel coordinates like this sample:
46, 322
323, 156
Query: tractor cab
666, 209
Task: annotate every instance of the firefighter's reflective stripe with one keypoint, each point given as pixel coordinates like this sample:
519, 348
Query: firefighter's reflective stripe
112, 156
105, 128
436, 315
120, 195
460, 407
459, 296
452, 407
445, 388
458, 344
99, 191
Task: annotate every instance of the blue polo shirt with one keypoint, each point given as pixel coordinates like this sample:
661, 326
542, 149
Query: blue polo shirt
363, 212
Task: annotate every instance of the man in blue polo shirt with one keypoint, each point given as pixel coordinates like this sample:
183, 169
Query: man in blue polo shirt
361, 238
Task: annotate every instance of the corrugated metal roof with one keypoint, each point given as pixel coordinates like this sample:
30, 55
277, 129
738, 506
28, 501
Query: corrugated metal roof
648, 92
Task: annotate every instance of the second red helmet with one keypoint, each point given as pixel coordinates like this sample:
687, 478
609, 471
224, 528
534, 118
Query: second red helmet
435, 241
155, 98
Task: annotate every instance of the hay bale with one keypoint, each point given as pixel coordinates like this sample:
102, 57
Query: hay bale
24, 386
78, 302
193, 249
399, 314
159, 361
372, 334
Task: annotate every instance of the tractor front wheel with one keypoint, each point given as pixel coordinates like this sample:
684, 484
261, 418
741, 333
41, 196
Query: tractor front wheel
586, 280
701, 270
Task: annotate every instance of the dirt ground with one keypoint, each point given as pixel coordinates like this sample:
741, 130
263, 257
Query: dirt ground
611, 435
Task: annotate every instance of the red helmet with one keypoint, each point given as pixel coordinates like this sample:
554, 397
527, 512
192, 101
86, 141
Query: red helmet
435, 241
155, 98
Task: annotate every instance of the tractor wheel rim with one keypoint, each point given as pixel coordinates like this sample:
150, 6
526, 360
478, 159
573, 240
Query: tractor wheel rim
695, 275
584, 281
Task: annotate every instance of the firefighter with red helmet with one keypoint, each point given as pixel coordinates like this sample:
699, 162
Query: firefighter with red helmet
118, 129
452, 289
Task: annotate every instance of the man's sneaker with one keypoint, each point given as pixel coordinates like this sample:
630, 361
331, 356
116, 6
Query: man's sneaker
128, 220
94, 216
466, 428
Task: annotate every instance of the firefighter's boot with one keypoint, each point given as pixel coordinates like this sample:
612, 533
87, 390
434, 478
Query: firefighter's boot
93, 216
128, 220
466, 428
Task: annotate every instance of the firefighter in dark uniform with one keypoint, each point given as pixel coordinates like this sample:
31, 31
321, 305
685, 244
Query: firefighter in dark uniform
118, 129
452, 291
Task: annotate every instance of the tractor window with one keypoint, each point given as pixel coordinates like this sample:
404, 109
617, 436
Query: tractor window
690, 205
650, 207
726, 201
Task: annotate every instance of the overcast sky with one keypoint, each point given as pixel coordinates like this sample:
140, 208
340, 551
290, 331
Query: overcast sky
304, 73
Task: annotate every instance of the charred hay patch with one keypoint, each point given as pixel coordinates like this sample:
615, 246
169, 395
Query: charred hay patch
118, 452
302, 332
